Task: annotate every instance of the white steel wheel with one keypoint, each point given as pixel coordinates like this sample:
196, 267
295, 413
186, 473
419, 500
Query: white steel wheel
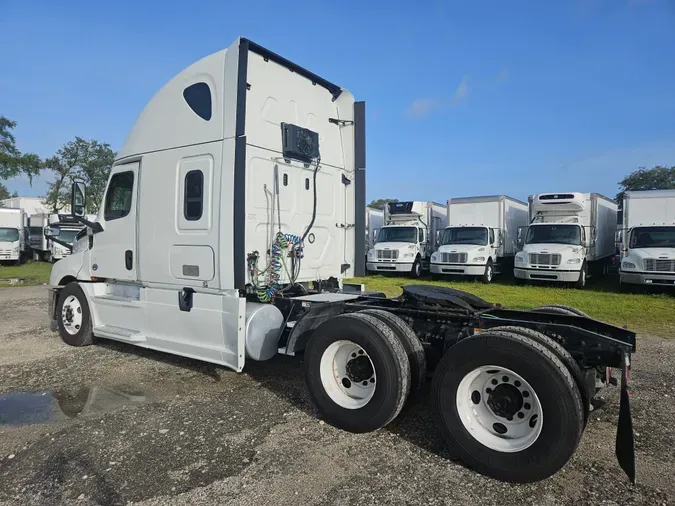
347, 374
71, 315
499, 409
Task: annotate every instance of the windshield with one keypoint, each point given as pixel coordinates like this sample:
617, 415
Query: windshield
9, 234
68, 236
557, 234
652, 237
465, 235
397, 234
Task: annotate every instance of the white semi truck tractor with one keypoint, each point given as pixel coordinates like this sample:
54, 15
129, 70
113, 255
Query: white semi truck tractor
408, 238
481, 237
648, 238
571, 236
232, 216
12, 238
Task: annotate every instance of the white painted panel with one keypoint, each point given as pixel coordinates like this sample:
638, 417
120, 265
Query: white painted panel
192, 262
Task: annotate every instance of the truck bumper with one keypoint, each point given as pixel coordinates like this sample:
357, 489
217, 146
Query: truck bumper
7, 257
546, 275
647, 278
389, 266
53, 296
458, 269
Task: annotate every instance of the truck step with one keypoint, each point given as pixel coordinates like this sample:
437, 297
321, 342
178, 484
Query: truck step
119, 333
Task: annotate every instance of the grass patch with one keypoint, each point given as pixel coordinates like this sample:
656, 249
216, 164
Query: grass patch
34, 273
650, 313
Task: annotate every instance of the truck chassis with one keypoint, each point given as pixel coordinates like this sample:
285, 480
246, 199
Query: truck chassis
496, 372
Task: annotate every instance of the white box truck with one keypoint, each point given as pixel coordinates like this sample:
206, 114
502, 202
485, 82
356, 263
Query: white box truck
408, 238
481, 238
233, 211
12, 237
648, 238
374, 222
570, 237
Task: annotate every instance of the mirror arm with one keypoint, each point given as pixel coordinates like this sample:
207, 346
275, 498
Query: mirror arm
62, 243
95, 226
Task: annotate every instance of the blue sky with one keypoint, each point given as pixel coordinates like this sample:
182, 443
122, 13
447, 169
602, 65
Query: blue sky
464, 98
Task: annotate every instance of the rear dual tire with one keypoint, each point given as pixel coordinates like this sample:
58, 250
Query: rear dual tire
540, 436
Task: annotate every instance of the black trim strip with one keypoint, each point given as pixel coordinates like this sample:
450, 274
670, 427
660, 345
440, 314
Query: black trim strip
359, 188
649, 273
334, 89
239, 208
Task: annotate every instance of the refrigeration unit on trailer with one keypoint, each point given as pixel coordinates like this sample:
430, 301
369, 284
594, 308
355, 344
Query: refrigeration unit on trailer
231, 216
481, 236
12, 238
408, 238
571, 236
648, 238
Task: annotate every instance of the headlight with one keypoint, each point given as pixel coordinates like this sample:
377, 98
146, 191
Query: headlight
408, 255
574, 261
16, 250
370, 253
479, 259
434, 257
628, 265
520, 259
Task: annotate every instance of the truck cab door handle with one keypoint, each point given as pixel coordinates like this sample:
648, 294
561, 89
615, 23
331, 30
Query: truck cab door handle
129, 259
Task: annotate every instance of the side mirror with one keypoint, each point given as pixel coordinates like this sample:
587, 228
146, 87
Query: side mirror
521, 236
52, 231
78, 199
498, 238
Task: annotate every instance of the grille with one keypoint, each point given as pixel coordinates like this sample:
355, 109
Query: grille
544, 259
453, 258
654, 265
387, 254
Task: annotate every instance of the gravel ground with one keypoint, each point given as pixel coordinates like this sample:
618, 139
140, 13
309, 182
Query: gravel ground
119, 425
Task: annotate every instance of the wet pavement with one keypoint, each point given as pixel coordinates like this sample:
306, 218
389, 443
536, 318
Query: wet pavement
114, 424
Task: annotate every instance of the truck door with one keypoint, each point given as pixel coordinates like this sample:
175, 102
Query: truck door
113, 255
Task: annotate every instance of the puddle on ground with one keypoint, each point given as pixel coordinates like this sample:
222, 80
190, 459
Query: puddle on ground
44, 406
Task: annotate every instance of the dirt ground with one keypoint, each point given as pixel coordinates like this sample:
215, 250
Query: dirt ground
114, 424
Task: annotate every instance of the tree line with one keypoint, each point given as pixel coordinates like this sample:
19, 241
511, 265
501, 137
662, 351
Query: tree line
659, 177
80, 159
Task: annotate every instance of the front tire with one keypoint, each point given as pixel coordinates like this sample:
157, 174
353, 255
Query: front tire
489, 273
73, 316
583, 273
416, 270
357, 372
481, 388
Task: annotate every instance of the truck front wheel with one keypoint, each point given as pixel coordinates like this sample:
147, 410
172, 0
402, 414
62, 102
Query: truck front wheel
507, 406
73, 316
416, 270
357, 372
583, 273
489, 272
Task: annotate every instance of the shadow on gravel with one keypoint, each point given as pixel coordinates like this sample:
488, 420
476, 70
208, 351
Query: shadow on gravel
283, 376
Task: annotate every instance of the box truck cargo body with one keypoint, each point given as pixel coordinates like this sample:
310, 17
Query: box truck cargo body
481, 236
570, 236
374, 222
233, 212
408, 238
648, 238
12, 238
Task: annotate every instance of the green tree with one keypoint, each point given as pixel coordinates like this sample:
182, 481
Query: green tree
657, 178
12, 161
380, 203
4, 192
87, 160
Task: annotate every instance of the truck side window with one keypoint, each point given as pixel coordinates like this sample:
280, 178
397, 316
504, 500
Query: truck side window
492, 236
193, 200
421, 234
198, 97
119, 196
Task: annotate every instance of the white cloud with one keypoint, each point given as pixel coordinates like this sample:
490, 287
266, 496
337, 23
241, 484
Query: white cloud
421, 107
503, 75
462, 92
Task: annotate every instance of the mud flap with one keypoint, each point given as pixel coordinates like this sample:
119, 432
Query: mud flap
625, 441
